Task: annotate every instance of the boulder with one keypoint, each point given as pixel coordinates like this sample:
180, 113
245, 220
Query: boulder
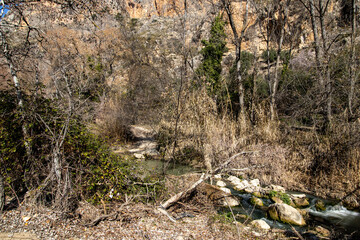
301, 202
217, 176
218, 196
298, 195
276, 188
285, 213
224, 189
255, 183
258, 194
276, 199
234, 180
240, 186
256, 201
241, 217
320, 205
220, 184
139, 156
260, 224
230, 201
323, 231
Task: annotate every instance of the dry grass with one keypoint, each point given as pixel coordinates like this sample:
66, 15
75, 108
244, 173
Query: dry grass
326, 164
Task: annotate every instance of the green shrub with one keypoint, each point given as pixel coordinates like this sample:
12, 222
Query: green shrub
96, 174
101, 175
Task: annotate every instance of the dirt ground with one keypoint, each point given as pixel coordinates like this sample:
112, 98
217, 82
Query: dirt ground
135, 221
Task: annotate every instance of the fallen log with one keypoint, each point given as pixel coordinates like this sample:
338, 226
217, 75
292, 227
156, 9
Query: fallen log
205, 176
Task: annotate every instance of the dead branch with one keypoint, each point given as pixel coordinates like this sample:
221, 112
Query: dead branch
181, 195
297, 233
304, 128
107, 216
163, 211
102, 218
222, 166
146, 184
185, 193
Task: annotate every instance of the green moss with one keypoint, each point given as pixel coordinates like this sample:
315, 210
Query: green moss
320, 205
223, 217
282, 196
273, 193
285, 198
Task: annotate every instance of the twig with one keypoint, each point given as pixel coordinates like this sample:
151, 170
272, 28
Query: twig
146, 184
13, 191
102, 218
297, 233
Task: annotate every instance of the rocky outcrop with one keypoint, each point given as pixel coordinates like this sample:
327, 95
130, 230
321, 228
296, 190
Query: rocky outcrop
285, 213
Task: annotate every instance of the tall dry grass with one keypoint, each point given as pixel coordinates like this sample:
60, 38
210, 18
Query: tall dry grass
327, 164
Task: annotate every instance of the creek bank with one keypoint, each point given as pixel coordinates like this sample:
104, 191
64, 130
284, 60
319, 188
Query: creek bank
307, 212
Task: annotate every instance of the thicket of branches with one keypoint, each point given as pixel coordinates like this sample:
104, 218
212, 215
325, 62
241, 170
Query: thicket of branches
55, 87
304, 100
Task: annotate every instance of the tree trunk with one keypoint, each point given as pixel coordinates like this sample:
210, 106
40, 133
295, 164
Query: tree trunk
268, 64
352, 58
284, 12
20, 100
328, 82
316, 41
238, 41
254, 99
2, 194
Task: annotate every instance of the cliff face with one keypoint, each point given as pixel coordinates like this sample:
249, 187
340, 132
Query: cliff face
163, 26
196, 21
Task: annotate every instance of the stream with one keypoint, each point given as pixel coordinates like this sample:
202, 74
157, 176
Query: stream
335, 218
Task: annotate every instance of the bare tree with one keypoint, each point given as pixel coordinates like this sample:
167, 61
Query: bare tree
283, 15
10, 51
238, 40
352, 69
322, 51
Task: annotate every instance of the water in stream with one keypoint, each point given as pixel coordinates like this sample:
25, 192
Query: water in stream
157, 167
336, 218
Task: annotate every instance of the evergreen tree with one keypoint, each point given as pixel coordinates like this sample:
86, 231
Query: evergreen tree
210, 69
